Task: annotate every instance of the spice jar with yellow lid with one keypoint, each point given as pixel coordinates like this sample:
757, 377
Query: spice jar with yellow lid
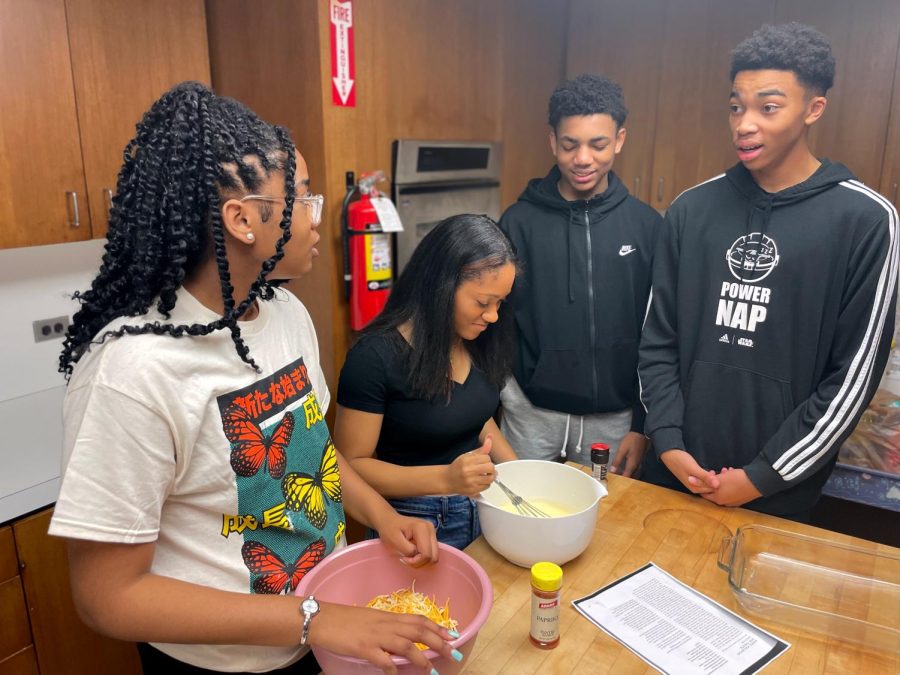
546, 581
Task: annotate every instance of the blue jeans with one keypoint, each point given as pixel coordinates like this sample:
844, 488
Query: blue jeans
455, 518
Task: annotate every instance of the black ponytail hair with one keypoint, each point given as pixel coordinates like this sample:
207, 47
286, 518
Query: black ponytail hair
191, 148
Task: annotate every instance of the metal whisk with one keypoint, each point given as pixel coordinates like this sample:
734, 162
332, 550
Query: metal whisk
523, 507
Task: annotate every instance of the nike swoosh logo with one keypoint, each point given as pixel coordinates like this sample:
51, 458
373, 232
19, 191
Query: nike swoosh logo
623, 252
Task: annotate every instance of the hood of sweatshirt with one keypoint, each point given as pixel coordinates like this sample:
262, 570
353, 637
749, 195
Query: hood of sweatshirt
760, 203
545, 192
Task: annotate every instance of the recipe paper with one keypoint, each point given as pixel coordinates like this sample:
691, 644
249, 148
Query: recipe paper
676, 629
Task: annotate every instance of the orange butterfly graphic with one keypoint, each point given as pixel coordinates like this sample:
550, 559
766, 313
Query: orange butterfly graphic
274, 575
251, 447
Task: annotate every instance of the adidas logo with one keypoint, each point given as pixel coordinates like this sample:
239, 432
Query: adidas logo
725, 339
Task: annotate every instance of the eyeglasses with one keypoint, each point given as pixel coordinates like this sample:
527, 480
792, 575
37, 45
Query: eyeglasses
313, 204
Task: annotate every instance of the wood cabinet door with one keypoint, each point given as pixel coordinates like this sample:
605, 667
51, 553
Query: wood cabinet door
124, 56
15, 634
618, 40
41, 173
62, 642
863, 37
9, 563
693, 141
21, 663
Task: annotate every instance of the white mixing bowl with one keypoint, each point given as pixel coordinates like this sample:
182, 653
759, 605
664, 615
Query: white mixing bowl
525, 540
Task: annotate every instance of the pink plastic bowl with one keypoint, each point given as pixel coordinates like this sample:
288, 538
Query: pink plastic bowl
356, 574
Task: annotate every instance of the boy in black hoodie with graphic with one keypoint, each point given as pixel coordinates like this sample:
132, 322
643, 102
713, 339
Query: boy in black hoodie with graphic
586, 248
774, 287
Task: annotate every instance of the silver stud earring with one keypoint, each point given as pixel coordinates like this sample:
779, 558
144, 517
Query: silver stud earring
250, 236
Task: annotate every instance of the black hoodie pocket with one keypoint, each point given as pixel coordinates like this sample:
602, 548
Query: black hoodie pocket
730, 413
562, 380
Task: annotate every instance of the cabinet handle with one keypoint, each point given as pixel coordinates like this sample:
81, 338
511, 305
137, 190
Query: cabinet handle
75, 218
108, 194
637, 186
659, 189
894, 194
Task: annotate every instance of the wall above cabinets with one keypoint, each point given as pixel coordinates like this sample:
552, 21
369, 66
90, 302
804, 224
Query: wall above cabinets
461, 70
672, 59
35, 283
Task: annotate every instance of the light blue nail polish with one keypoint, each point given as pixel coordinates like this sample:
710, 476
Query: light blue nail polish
457, 655
434, 672
453, 633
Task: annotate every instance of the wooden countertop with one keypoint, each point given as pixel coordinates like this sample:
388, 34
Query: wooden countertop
637, 523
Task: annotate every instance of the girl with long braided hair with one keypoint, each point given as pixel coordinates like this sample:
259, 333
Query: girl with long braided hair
200, 480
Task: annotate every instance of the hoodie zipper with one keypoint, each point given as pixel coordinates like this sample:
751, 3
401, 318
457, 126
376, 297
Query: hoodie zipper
590, 271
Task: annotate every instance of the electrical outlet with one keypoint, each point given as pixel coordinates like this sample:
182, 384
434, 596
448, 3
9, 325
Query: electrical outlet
50, 329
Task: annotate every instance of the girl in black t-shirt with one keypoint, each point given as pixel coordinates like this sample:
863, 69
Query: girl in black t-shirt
418, 392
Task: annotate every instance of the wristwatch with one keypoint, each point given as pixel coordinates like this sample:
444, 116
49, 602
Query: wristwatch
309, 608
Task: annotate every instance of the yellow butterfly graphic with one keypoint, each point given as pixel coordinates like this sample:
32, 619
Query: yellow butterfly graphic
306, 493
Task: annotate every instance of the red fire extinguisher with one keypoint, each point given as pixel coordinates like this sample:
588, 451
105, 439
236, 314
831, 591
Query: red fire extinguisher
368, 272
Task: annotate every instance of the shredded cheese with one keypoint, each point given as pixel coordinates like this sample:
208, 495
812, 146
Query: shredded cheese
409, 601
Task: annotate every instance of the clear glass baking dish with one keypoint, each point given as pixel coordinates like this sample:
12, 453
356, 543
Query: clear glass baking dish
844, 592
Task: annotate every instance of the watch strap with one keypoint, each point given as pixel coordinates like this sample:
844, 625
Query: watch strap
307, 620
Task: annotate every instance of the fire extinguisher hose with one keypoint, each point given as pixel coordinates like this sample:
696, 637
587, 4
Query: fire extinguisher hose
345, 235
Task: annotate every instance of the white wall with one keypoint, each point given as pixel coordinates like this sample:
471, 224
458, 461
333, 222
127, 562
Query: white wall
35, 283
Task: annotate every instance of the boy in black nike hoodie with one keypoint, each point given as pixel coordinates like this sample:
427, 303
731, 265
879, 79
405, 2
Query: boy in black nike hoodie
586, 248
774, 288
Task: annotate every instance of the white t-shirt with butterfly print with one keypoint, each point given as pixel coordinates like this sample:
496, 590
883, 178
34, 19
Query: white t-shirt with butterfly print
230, 471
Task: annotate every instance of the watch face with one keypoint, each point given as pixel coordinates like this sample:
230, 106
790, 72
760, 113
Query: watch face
310, 606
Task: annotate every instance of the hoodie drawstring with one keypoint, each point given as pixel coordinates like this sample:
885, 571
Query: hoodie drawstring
562, 450
766, 209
